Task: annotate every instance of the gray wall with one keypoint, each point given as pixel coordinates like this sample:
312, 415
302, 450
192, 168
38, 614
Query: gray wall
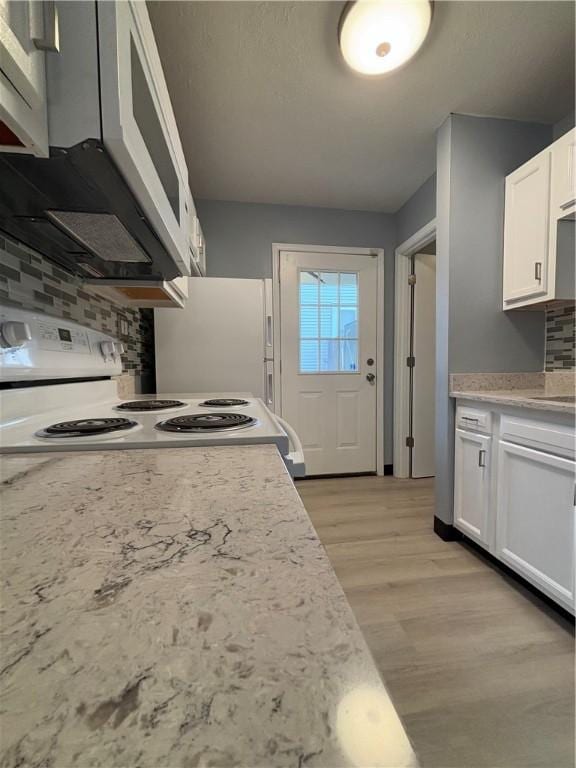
417, 211
564, 125
473, 333
239, 239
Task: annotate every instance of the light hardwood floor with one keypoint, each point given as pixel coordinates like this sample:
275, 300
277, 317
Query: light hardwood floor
481, 671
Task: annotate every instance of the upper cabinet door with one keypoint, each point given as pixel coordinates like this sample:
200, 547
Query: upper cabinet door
24, 36
139, 127
526, 232
563, 197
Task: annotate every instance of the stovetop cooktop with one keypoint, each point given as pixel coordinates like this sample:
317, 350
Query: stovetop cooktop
90, 417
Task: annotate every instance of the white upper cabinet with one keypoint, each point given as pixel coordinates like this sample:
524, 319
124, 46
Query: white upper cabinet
138, 124
540, 204
27, 30
526, 231
563, 201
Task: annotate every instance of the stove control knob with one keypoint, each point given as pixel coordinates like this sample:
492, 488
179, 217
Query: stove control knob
15, 333
119, 348
107, 349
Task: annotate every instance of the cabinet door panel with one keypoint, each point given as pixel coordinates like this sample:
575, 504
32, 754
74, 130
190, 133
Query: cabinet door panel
472, 485
526, 231
563, 192
535, 518
23, 106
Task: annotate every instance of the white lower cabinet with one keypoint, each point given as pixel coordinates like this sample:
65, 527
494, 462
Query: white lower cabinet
535, 518
514, 493
472, 456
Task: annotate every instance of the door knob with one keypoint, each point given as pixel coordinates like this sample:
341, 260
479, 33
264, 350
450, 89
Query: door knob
371, 378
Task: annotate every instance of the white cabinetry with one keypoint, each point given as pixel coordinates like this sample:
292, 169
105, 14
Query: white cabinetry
535, 518
563, 199
472, 457
526, 231
538, 196
514, 492
26, 28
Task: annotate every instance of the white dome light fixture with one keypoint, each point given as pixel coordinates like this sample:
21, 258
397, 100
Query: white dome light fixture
377, 36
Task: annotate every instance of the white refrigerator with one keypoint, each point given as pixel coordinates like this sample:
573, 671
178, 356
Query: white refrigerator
220, 341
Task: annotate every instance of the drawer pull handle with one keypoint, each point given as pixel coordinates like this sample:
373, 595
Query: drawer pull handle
470, 418
482, 458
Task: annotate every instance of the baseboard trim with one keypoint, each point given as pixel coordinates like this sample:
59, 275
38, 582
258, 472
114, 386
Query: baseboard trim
513, 576
445, 531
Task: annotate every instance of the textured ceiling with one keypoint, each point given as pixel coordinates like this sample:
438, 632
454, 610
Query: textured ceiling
268, 112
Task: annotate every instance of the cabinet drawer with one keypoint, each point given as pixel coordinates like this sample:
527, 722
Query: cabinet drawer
557, 439
474, 419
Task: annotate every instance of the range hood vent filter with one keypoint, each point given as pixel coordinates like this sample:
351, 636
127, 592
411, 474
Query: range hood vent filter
101, 233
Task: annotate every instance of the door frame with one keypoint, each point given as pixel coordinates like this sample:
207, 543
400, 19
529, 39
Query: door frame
277, 248
402, 255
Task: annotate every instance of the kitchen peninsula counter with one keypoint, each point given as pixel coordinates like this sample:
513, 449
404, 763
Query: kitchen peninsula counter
176, 608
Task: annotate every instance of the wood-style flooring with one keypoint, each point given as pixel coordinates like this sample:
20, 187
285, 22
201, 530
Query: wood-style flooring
481, 670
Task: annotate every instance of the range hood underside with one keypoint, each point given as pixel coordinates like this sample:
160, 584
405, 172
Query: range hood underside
79, 180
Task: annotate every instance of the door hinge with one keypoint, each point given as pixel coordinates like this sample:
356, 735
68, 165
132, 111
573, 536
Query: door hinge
411, 279
411, 361
409, 442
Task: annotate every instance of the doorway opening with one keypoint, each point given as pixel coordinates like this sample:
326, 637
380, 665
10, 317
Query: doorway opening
414, 355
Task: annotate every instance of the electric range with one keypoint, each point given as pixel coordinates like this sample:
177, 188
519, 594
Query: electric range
40, 411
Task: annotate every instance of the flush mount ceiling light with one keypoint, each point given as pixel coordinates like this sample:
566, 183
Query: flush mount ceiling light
377, 36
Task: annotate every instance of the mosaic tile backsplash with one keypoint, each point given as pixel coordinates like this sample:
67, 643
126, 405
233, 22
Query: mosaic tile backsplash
560, 339
29, 281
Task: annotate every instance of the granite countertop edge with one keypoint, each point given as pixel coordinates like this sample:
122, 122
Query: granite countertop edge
517, 398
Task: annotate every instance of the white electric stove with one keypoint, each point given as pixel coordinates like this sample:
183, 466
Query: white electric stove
58, 395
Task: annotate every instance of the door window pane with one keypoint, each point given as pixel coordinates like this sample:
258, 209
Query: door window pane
329, 287
309, 282
349, 288
349, 355
308, 356
308, 322
329, 354
328, 322
349, 322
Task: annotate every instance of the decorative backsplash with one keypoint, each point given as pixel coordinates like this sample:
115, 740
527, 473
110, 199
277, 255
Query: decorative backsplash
560, 339
29, 281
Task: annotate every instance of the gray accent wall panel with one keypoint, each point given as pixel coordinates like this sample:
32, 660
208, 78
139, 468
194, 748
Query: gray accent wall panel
239, 239
444, 412
417, 211
483, 338
473, 333
564, 125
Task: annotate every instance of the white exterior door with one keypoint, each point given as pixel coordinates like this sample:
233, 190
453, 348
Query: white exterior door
23, 108
424, 371
328, 316
472, 485
535, 518
526, 233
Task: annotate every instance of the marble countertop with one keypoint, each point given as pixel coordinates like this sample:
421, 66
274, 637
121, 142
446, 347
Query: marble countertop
175, 608
520, 398
521, 390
